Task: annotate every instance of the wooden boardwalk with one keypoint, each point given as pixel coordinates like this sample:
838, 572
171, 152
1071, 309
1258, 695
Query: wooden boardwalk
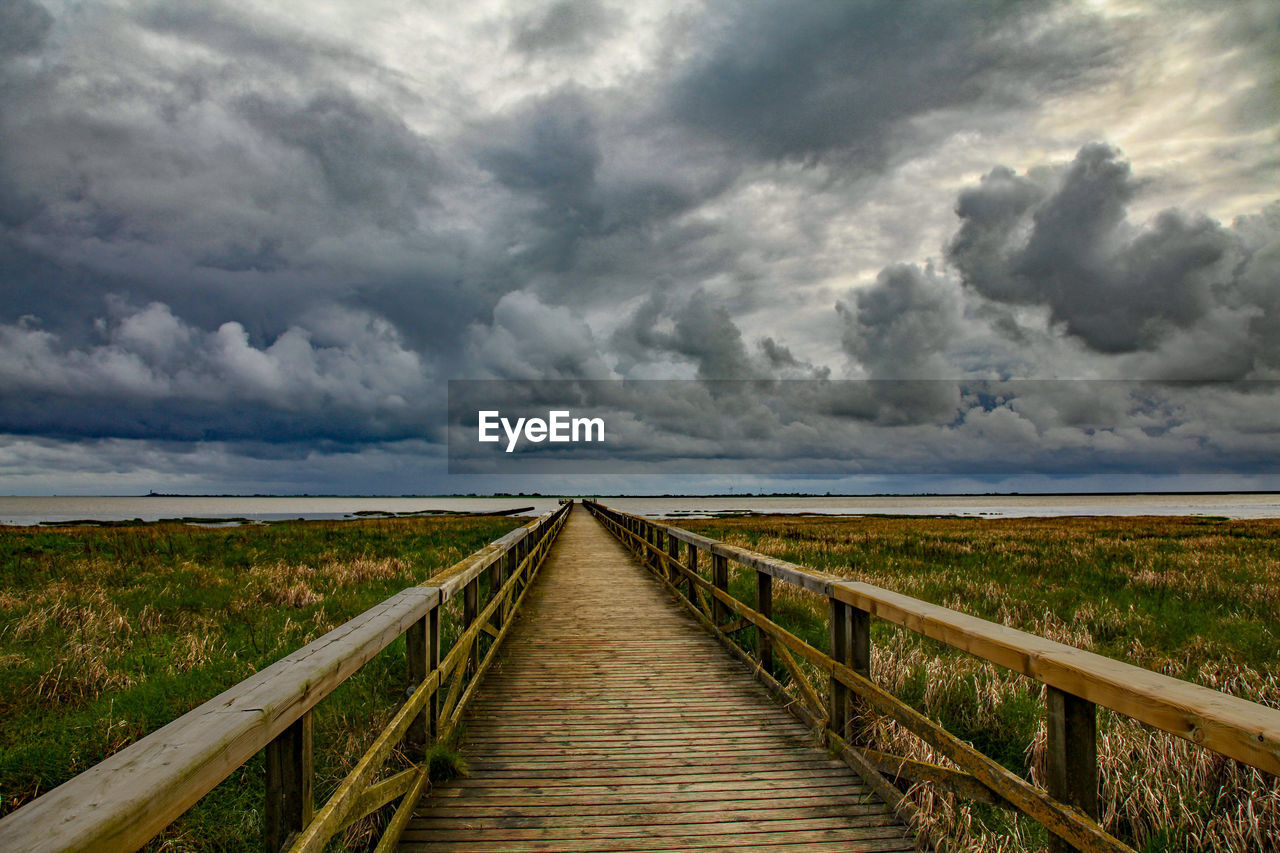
616, 723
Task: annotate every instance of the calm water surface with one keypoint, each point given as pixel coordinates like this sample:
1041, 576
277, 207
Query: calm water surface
33, 510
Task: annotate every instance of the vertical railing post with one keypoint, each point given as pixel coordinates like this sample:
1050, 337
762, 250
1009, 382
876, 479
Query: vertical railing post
673, 551
1071, 757
859, 656
764, 606
470, 609
692, 565
720, 580
433, 663
842, 652
495, 578
290, 771
416, 658
513, 563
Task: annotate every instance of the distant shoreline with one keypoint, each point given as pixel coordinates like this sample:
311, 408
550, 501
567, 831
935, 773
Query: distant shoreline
1179, 493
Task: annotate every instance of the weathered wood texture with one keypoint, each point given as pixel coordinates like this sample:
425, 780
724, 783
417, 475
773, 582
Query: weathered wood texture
122, 802
616, 723
1244, 730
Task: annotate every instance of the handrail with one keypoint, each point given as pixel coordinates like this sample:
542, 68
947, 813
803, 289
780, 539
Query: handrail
1243, 730
1076, 680
122, 802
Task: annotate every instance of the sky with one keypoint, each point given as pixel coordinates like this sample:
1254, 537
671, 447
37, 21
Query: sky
244, 247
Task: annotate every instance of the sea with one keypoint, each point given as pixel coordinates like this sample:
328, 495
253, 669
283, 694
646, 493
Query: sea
209, 510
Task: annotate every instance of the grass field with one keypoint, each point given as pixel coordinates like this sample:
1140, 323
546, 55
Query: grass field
110, 632
1197, 599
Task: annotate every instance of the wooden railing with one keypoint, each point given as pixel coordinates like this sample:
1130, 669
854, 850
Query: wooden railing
124, 801
1075, 682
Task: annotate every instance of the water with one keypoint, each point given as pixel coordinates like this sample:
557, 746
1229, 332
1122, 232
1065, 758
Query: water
992, 506
33, 510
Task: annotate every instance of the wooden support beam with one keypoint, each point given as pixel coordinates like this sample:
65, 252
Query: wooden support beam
906, 771
417, 657
513, 565
470, 607
764, 605
841, 645
433, 663
1071, 755
720, 580
859, 658
290, 774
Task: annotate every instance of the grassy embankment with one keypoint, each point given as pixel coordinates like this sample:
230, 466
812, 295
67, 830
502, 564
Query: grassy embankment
108, 633
1197, 599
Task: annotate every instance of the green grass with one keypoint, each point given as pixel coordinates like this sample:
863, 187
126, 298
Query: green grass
111, 632
1193, 598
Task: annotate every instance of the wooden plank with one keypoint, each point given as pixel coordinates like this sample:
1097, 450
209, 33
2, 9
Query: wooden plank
631, 730
800, 829
290, 773
650, 806
345, 799
417, 665
674, 814
764, 604
1243, 730
404, 813
122, 802
818, 582
1071, 755
1236, 727
380, 794
826, 843
125, 800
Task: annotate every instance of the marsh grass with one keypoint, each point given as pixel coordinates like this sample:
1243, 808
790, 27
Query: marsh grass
1196, 599
108, 633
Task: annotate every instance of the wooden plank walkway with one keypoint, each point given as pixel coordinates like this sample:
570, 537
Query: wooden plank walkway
616, 723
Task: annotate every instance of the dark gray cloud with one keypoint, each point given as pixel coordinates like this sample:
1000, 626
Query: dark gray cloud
277, 236
900, 327
1065, 242
24, 25
366, 158
802, 81
695, 331
343, 376
566, 26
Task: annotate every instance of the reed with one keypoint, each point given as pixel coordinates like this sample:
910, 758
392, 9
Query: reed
1192, 598
108, 633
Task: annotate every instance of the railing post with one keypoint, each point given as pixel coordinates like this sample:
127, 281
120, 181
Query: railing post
673, 551
1071, 755
513, 563
416, 654
841, 651
859, 655
495, 578
720, 580
290, 771
764, 606
692, 565
470, 609
433, 663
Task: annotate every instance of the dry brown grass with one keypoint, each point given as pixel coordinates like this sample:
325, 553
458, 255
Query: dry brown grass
1192, 598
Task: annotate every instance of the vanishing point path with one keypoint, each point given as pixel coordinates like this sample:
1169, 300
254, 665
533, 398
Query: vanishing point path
615, 722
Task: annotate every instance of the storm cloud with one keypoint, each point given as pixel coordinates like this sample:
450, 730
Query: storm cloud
229, 234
